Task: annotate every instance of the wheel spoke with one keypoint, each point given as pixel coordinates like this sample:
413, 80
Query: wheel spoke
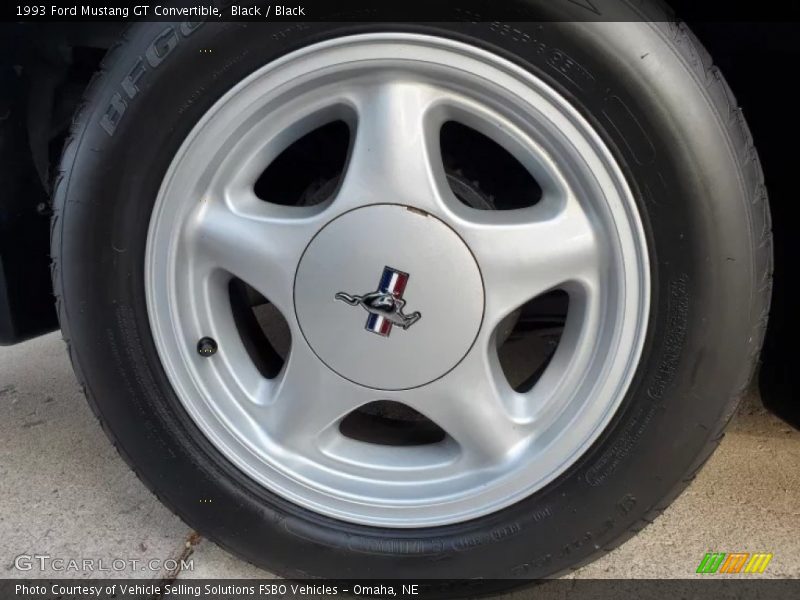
307, 399
260, 246
521, 258
395, 157
468, 403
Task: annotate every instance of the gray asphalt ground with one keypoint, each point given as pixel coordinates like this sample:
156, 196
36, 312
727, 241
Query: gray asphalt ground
64, 492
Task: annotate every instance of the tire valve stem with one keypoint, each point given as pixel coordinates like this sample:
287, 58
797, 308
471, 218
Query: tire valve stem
207, 347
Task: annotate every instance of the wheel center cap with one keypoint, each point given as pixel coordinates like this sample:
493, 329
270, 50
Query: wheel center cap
389, 297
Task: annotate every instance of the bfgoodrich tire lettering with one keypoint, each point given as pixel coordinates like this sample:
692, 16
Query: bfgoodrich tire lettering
688, 156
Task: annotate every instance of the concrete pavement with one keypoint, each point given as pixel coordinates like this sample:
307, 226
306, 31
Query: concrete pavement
66, 493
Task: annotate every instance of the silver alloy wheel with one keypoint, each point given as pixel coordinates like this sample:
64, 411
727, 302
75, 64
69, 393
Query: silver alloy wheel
469, 269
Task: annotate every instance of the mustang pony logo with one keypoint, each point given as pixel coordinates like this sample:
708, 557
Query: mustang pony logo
385, 306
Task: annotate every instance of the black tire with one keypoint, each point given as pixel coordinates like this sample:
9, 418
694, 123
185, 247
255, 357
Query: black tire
674, 125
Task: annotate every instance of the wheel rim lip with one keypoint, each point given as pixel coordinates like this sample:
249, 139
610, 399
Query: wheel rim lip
194, 394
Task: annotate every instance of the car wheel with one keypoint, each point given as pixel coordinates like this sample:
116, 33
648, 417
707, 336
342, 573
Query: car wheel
448, 300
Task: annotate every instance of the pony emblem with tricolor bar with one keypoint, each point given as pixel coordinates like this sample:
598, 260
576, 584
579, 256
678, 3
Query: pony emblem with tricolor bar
385, 306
